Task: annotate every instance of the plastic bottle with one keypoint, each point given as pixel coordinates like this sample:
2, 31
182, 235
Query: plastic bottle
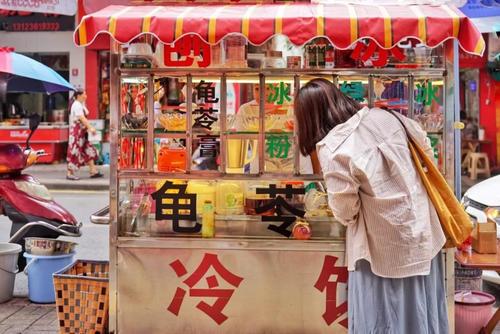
208, 220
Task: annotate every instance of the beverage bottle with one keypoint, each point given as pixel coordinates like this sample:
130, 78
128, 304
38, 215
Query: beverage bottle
208, 220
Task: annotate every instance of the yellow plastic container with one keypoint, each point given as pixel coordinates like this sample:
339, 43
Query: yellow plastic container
205, 191
230, 198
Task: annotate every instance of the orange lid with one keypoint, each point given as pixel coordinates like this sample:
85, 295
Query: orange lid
293, 183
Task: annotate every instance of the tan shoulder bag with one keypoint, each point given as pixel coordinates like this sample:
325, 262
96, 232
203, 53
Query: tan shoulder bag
455, 222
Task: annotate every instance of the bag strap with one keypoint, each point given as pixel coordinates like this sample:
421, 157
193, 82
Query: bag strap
414, 146
402, 124
454, 221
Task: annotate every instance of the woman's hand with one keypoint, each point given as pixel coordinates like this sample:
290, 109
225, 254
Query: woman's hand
92, 130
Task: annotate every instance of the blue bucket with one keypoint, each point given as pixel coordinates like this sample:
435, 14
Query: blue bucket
39, 270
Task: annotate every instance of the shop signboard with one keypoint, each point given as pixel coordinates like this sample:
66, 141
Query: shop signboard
62, 7
483, 8
16, 134
91, 6
239, 290
11, 20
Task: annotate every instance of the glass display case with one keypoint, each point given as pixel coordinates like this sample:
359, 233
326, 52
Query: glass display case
215, 138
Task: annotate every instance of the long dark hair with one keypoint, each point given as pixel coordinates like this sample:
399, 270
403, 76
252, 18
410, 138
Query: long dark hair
77, 93
319, 107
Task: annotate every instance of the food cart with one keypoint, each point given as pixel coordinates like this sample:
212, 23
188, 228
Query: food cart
211, 204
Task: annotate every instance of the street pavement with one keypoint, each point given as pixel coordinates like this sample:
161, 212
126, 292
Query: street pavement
54, 177
20, 316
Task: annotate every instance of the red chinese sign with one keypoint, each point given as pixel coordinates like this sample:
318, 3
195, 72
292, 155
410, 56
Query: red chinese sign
12, 20
186, 51
324, 284
366, 52
223, 296
63, 7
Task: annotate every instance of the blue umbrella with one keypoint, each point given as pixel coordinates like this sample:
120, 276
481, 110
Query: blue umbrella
24, 74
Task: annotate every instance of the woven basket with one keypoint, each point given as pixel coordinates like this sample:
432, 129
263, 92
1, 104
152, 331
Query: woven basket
82, 297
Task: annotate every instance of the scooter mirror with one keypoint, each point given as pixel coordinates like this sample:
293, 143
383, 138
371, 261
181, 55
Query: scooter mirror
34, 122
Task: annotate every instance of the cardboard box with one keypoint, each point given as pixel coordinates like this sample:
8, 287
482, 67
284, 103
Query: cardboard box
484, 238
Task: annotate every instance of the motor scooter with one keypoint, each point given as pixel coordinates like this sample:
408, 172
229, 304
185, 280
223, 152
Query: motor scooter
26, 202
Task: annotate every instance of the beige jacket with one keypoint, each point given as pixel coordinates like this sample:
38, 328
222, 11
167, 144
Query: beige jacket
374, 189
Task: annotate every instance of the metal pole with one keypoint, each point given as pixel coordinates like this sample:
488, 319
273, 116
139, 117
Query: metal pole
262, 122
370, 91
456, 118
411, 100
451, 103
451, 138
114, 183
151, 125
223, 124
296, 151
189, 127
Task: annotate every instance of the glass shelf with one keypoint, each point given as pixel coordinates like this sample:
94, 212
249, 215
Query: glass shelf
134, 132
165, 133
130, 174
281, 72
252, 228
248, 218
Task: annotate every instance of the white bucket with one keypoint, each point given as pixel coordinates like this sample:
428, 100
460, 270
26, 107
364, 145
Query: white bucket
8, 269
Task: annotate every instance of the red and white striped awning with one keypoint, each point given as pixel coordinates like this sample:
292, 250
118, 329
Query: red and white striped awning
342, 24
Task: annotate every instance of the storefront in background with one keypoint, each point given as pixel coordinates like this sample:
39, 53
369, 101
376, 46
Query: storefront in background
480, 97
480, 86
46, 38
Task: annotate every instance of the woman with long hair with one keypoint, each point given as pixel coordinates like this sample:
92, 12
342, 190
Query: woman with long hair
394, 237
80, 151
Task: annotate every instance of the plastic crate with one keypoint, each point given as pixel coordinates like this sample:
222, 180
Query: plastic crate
82, 297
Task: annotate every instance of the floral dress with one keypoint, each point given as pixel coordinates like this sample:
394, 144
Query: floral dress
80, 151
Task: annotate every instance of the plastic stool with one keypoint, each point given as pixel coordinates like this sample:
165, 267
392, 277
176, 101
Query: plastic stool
465, 158
478, 163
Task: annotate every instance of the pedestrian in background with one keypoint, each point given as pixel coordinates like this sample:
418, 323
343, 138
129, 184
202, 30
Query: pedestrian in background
394, 237
80, 151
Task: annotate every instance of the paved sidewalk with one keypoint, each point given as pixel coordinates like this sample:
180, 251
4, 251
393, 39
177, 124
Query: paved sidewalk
53, 176
20, 316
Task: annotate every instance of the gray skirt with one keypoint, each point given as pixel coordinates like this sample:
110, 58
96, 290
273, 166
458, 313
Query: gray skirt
379, 305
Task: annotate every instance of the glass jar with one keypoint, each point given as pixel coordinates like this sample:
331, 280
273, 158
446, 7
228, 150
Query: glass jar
235, 52
297, 200
274, 59
254, 200
229, 198
215, 55
204, 190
